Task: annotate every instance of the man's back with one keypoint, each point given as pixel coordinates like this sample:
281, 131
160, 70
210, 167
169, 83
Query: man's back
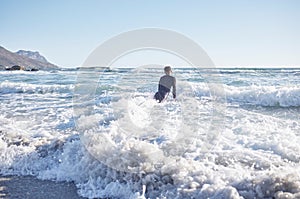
166, 82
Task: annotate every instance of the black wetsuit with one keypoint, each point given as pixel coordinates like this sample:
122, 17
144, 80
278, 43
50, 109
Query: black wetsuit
164, 87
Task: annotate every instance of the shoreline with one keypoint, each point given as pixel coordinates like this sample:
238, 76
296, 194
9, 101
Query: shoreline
13, 186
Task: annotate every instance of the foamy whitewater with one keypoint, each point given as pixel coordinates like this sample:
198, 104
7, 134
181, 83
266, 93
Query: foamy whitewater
231, 133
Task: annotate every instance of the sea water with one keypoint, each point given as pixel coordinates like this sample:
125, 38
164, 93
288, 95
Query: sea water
231, 133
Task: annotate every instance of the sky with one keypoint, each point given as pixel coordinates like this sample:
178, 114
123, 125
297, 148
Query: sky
232, 32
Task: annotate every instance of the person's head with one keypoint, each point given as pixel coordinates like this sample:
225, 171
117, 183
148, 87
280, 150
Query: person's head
168, 70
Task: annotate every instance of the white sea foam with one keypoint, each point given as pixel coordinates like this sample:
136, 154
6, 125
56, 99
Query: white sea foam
155, 150
265, 95
21, 87
256, 95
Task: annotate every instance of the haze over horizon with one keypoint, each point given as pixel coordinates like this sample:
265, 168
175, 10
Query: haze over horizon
233, 33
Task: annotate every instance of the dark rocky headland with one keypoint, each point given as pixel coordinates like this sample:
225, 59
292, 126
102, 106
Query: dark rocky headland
24, 60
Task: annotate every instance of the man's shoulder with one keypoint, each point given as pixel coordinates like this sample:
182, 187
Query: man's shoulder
168, 76
171, 77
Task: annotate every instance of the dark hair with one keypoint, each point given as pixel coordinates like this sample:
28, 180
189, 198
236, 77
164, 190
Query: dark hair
167, 68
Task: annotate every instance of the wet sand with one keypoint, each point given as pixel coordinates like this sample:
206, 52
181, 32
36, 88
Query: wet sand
29, 187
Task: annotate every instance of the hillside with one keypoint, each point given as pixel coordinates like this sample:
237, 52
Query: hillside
9, 59
32, 55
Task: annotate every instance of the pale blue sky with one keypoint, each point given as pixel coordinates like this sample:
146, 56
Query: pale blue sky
232, 32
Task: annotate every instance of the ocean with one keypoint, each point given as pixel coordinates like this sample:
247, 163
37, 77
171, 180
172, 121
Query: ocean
231, 133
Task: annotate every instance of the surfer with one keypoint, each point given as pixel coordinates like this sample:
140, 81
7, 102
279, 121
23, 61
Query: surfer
164, 86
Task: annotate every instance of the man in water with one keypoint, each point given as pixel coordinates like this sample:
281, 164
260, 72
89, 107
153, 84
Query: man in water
165, 83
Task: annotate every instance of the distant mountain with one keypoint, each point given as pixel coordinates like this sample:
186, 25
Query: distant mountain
9, 59
32, 55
